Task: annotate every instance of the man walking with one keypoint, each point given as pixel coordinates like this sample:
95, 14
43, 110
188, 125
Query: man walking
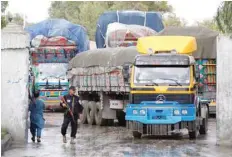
36, 108
72, 110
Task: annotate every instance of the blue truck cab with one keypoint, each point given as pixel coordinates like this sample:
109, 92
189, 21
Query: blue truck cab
163, 96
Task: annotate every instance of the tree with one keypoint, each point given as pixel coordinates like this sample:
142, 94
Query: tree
159, 6
224, 17
173, 20
4, 5
87, 13
209, 23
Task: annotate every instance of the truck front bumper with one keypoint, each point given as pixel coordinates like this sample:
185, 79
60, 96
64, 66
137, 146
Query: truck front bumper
152, 118
160, 113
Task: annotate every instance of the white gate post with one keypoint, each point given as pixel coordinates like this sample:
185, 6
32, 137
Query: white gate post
224, 91
15, 62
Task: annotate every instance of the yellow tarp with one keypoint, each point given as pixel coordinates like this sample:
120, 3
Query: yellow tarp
182, 44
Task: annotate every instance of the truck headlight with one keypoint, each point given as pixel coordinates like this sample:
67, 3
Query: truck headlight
184, 112
135, 112
176, 112
142, 112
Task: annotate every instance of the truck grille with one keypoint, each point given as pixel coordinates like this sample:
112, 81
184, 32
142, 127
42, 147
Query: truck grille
180, 98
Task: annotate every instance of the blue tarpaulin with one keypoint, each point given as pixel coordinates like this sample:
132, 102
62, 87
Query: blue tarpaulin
61, 27
152, 20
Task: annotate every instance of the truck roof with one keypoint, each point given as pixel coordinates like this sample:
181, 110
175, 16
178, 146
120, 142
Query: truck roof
182, 44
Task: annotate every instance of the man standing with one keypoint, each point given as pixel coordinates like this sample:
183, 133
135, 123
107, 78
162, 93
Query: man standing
72, 110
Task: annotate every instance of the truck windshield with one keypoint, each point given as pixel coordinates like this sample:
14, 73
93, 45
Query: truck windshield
155, 76
47, 70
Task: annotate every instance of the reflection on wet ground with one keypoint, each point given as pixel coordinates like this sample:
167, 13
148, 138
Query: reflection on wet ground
117, 141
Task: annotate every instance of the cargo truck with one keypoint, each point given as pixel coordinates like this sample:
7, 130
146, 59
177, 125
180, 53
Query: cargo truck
205, 55
164, 88
54, 43
102, 87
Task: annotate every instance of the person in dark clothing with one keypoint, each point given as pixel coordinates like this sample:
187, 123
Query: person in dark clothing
72, 110
36, 108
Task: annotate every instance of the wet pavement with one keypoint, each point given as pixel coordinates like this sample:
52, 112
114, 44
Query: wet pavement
94, 141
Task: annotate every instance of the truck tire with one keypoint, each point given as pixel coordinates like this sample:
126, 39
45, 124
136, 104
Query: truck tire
91, 112
136, 134
110, 122
83, 118
98, 116
204, 127
192, 135
121, 118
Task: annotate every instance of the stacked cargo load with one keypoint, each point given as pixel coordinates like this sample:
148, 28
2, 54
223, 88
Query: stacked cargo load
53, 44
121, 35
123, 28
205, 57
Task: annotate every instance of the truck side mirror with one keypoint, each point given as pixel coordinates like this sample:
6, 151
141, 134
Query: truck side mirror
126, 72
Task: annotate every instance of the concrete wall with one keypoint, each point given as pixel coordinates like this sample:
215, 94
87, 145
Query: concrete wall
15, 62
224, 91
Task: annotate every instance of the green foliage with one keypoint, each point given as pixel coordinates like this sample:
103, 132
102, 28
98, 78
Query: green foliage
159, 6
4, 5
3, 22
224, 17
87, 13
3, 132
209, 23
173, 20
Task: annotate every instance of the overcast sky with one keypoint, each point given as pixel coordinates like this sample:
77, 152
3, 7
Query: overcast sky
190, 10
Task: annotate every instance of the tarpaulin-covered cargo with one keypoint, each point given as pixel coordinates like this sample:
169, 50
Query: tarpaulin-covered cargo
52, 50
101, 69
121, 35
151, 20
206, 39
61, 27
108, 57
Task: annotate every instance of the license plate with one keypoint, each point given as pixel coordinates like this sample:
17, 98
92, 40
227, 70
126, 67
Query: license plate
159, 102
158, 117
116, 104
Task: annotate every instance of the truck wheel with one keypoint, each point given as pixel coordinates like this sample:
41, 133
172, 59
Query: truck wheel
91, 112
110, 122
137, 134
121, 118
204, 127
192, 135
83, 118
98, 115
